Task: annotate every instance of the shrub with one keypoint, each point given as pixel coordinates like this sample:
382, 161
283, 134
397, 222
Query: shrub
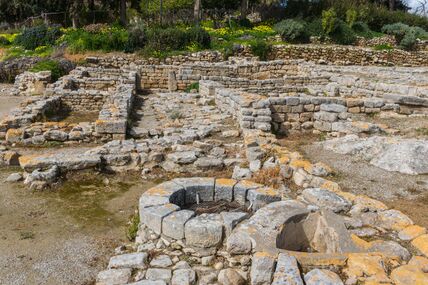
383, 47
398, 30
194, 85
173, 38
351, 17
132, 230
49, 65
343, 34
42, 35
329, 19
137, 36
261, 49
4, 41
314, 28
292, 30
409, 40
362, 29
112, 39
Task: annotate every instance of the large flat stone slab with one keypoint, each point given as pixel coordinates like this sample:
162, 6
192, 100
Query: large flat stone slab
173, 224
204, 231
152, 217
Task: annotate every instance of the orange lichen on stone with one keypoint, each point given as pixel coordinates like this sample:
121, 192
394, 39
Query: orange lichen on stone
264, 254
421, 244
370, 203
157, 191
412, 232
360, 242
268, 191
225, 182
366, 267
26, 159
249, 184
300, 163
319, 259
415, 272
332, 186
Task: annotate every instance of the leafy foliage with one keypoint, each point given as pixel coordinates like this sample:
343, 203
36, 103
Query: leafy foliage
343, 34
261, 49
42, 35
329, 18
49, 65
292, 30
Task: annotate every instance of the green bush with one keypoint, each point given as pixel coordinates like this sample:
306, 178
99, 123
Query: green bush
329, 19
261, 49
137, 36
383, 47
398, 30
314, 28
292, 30
343, 34
173, 38
132, 229
351, 17
49, 65
42, 35
362, 29
407, 36
111, 39
4, 42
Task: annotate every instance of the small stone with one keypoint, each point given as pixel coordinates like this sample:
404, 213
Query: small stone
14, 177
159, 274
218, 266
183, 277
161, 261
130, 260
421, 244
207, 260
322, 277
114, 277
326, 199
230, 277
411, 232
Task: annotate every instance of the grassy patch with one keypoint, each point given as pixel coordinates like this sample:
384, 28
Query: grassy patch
131, 231
192, 86
26, 235
422, 131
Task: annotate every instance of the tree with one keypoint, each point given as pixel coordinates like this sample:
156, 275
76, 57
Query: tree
122, 12
244, 9
197, 11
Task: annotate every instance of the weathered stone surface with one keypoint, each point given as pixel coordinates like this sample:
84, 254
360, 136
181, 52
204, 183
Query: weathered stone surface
421, 244
161, 261
173, 224
287, 271
241, 190
230, 277
224, 189
391, 248
159, 274
131, 260
184, 157
167, 192
262, 196
336, 108
204, 231
262, 268
393, 220
149, 282
153, 216
322, 277
183, 277
366, 266
328, 233
239, 243
411, 232
326, 199
203, 187
14, 177
231, 219
114, 277
396, 154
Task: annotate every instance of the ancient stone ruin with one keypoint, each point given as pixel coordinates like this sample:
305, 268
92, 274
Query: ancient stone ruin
200, 119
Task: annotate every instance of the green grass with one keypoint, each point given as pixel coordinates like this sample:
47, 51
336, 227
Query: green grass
17, 52
132, 230
383, 47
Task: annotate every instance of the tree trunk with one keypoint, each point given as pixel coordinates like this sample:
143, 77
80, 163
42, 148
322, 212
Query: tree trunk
161, 12
197, 11
244, 9
392, 5
122, 10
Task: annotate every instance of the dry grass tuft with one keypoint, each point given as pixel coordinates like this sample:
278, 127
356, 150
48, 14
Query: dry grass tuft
269, 177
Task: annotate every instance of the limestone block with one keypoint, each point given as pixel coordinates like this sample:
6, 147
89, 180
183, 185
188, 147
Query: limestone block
224, 189
173, 224
262, 196
287, 271
241, 189
130, 260
114, 277
152, 216
203, 187
326, 199
204, 231
262, 268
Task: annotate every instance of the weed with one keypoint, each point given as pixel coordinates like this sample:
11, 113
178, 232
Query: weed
131, 231
26, 235
176, 114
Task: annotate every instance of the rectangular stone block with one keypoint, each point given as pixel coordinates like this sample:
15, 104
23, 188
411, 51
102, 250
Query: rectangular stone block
262, 196
152, 216
231, 220
204, 231
224, 189
201, 186
241, 189
287, 271
262, 268
173, 224
130, 260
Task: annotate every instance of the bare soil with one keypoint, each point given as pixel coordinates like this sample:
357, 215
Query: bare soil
64, 235
7, 102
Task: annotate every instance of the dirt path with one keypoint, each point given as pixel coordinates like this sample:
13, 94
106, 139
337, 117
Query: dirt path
7, 103
63, 236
